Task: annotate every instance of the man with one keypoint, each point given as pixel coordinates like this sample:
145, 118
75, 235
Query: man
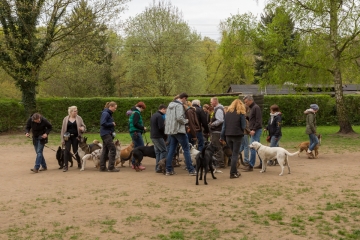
216, 123
176, 131
255, 126
201, 115
40, 128
157, 134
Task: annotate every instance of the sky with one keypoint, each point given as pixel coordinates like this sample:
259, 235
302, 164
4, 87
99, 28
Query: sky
203, 15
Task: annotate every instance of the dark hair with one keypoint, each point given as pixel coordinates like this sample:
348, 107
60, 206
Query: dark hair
274, 108
35, 116
162, 106
110, 104
183, 95
141, 105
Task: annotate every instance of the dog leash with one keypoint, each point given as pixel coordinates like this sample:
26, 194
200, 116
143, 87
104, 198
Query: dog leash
147, 143
44, 144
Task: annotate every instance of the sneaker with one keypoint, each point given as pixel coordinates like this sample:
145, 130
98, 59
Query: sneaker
43, 169
193, 173
65, 169
34, 170
113, 170
159, 171
141, 167
103, 170
234, 175
169, 173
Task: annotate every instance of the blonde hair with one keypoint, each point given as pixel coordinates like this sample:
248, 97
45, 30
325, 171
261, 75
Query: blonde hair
71, 109
110, 104
226, 108
238, 106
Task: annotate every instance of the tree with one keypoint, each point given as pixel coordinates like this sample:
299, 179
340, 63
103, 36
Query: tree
160, 52
26, 46
333, 27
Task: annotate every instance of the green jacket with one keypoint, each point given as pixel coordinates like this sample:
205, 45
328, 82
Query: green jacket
135, 121
310, 122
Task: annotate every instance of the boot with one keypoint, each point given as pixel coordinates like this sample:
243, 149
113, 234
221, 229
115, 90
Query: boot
310, 155
248, 169
79, 164
259, 167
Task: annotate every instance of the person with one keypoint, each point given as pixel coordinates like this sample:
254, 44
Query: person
157, 135
74, 125
176, 131
216, 122
40, 128
200, 113
255, 125
311, 128
274, 126
245, 140
107, 133
233, 129
137, 128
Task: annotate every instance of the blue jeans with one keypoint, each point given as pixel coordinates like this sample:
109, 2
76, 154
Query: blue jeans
245, 147
200, 140
255, 137
184, 142
39, 148
160, 150
313, 141
138, 141
273, 142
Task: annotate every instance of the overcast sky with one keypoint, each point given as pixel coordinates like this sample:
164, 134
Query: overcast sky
203, 15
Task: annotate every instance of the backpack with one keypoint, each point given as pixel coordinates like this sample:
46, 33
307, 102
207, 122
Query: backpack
193, 124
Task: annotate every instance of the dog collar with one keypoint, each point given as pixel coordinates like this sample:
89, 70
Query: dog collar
258, 148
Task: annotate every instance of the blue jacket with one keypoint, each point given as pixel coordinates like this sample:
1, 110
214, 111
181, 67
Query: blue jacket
106, 122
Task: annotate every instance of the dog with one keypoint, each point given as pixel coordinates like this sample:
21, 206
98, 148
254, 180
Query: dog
85, 148
193, 153
162, 165
304, 146
228, 153
60, 157
140, 152
96, 154
270, 153
204, 161
125, 154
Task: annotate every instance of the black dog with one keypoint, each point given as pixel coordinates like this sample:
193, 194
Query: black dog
60, 158
140, 152
204, 160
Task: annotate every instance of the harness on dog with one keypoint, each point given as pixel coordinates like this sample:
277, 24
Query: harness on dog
258, 153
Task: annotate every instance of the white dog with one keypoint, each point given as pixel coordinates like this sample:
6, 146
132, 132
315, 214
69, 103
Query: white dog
193, 153
95, 156
272, 153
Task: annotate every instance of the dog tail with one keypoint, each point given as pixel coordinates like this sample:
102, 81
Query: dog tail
291, 154
130, 156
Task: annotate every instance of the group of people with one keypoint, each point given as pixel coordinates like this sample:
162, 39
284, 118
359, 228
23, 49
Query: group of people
172, 125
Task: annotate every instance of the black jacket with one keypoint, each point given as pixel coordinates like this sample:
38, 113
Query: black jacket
201, 115
274, 128
38, 129
157, 124
255, 117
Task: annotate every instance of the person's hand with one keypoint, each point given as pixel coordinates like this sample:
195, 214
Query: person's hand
27, 134
145, 129
82, 129
252, 132
114, 123
44, 135
63, 143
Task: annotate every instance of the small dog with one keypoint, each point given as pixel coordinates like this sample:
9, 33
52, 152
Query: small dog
60, 158
162, 165
96, 154
270, 153
140, 152
193, 153
125, 154
85, 148
228, 153
204, 161
304, 146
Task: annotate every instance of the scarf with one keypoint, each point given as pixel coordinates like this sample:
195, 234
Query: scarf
272, 115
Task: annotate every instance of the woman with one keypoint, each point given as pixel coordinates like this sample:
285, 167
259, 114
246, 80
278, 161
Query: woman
233, 129
73, 125
274, 126
311, 128
107, 133
136, 128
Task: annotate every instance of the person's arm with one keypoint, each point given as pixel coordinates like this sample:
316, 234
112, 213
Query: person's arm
222, 134
103, 120
312, 122
204, 121
242, 122
180, 114
48, 126
28, 127
278, 126
161, 123
136, 120
219, 116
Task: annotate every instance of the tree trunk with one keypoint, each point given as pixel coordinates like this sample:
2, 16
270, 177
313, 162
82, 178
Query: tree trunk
28, 96
344, 123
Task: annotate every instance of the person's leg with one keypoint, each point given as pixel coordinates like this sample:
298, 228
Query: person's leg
255, 137
182, 139
75, 145
67, 154
138, 142
104, 152
313, 141
274, 142
160, 150
200, 139
39, 153
235, 146
215, 137
245, 145
172, 147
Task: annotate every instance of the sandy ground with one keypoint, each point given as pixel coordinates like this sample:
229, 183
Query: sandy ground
148, 205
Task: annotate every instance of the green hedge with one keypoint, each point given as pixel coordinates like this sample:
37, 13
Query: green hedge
55, 109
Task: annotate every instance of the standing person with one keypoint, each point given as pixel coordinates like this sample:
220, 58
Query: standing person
216, 123
255, 125
157, 134
233, 129
175, 128
200, 113
107, 133
40, 128
245, 140
136, 128
311, 128
274, 126
74, 125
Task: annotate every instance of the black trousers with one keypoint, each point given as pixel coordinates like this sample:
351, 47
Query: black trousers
72, 141
108, 150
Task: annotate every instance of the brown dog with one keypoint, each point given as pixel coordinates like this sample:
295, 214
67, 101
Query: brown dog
125, 154
304, 146
227, 153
